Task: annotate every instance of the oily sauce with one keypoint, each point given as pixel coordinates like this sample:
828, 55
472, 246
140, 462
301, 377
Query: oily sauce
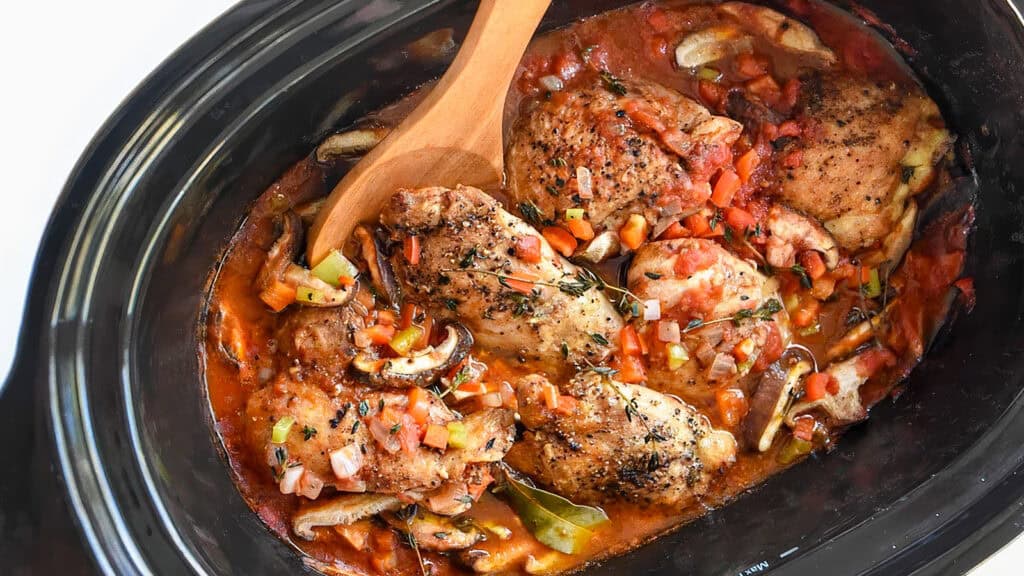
636, 42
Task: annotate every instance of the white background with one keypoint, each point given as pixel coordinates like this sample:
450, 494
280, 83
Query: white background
66, 66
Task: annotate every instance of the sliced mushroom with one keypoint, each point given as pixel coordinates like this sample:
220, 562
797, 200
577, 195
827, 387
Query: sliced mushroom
775, 394
602, 247
858, 335
422, 367
350, 143
341, 510
434, 532
373, 247
282, 252
710, 45
803, 233
896, 244
782, 31
844, 406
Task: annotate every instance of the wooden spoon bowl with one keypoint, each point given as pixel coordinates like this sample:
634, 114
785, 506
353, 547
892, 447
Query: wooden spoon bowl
453, 137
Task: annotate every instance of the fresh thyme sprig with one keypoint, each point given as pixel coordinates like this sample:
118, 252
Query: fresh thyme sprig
763, 312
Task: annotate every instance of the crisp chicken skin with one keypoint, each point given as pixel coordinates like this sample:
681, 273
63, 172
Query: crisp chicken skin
865, 149
647, 150
470, 270
326, 423
695, 279
621, 442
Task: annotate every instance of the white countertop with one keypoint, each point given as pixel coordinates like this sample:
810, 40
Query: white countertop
67, 66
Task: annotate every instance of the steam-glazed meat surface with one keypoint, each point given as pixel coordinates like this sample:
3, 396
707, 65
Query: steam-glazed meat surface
618, 442
725, 233
645, 148
866, 148
471, 268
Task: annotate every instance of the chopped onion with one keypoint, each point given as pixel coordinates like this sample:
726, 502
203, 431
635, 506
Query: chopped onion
381, 432
552, 82
310, 486
705, 353
668, 331
712, 334
722, 367
584, 182
346, 461
652, 310
290, 479
491, 400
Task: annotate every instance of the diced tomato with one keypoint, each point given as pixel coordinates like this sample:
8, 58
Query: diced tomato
640, 113
629, 341
474, 388
790, 93
750, 65
631, 370
560, 239
675, 230
732, 406
658, 47
566, 405
739, 219
476, 489
411, 249
658, 20
419, 405
832, 387
346, 281
772, 349
549, 393
278, 296
408, 434
697, 224
816, 386
813, 264
528, 249
803, 428
794, 159
712, 93
746, 164
633, 232
790, 128
436, 436
744, 349
690, 261
581, 229
379, 333
726, 186
522, 282
766, 88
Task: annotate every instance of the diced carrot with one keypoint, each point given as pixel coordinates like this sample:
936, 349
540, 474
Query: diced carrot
712, 93
379, 333
861, 275
410, 313
436, 436
566, 405
790, 128
816, 386
739, 219
411, 249
833, 386
822, 288
634, 231
697, 224
675, 230
726, 186
794, 159
732, 406
522, 282
692, 260
419, 404
560, 239
476, 489
813, 264
746, 164
581, 229
629, 341
528, 248
631, 370
749, 65
744, 349
807, 313
278, 296
550, 395
803, 428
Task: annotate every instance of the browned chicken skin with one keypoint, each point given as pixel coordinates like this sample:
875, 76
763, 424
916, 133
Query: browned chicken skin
320, 339
468, 254
647, 150
866, 148
621, 442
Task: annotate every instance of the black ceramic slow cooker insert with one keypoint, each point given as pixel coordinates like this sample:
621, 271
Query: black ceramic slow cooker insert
931, 484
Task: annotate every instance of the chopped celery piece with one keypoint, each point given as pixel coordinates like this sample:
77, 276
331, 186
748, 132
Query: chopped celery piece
744, 367
573, 213
305, 294
457, 435
334, 267
873, 289
677, 356
794, 449
403, 342
710, 74
812, 329
281, 428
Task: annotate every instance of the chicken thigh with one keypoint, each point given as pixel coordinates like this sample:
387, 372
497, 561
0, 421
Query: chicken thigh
490, 270
618, 442
616, 148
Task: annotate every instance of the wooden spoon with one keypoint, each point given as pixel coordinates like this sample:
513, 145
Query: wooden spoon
452, 137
